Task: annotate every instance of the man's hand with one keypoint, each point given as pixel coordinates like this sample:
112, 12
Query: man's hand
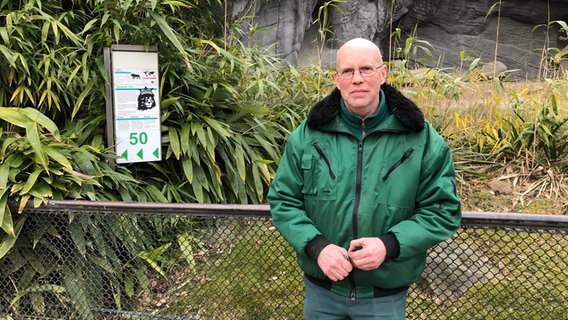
334, 263
367, 253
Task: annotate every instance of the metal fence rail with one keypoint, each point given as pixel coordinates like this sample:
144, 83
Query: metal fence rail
115, 260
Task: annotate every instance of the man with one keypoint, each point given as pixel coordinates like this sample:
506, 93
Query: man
364, 188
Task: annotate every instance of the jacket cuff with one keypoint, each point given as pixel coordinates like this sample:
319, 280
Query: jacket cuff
315, 246
392, 245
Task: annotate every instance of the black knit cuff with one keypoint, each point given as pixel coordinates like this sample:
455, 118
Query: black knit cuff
392, 245
315, 246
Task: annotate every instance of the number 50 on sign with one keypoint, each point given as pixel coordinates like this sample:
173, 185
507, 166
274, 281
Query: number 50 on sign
138, 146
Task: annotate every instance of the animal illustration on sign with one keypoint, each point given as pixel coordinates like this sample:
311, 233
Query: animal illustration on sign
146, 99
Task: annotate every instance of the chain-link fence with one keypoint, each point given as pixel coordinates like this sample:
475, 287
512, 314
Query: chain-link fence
84, 260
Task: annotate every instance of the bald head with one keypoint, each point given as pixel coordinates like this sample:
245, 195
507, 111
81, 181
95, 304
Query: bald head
353, 46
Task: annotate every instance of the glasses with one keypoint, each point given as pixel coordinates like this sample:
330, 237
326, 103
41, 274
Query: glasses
366, 71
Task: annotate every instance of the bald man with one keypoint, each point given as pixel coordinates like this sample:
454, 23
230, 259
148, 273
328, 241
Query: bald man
364, 188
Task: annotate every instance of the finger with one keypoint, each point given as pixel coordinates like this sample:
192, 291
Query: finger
356, 255
354, 245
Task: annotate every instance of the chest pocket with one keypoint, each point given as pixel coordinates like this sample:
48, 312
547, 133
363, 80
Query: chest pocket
319, 181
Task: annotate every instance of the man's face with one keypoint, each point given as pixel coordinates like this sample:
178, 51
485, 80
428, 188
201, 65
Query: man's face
361, 91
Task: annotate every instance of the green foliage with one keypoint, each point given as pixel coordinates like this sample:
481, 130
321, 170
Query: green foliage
414, 50
541, 136
221, 102
552, 57
224, 120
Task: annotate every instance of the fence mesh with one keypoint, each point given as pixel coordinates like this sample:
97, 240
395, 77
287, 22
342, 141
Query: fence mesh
105, 264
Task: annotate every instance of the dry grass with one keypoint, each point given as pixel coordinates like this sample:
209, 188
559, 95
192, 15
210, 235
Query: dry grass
478, 119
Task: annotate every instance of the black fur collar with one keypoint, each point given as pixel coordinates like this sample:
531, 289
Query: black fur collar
403, 108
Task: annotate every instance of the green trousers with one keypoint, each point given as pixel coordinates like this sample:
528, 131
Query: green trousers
323, 304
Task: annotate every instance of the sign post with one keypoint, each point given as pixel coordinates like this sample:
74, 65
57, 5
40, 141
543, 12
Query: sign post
133, 103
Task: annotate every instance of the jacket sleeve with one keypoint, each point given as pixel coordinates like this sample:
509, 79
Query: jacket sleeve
437, 213
287, 201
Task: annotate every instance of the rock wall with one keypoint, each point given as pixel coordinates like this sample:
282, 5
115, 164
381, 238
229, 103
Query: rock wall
468, 26
522, 31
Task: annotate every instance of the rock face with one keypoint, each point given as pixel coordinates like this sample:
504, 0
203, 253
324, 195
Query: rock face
521, 31
517, 35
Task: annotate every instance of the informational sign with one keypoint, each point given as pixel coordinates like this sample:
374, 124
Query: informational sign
136, 103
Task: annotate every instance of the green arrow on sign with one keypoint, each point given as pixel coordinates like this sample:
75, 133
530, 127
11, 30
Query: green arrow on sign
157, 152
140, 154
125, 154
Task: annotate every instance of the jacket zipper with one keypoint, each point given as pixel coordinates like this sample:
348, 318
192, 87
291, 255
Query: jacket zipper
353, 293
322, 155
405, 156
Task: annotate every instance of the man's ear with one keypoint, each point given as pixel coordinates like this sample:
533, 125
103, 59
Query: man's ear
336, 79
385, 72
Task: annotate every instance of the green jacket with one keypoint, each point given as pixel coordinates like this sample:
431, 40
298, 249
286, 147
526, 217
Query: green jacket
398, 178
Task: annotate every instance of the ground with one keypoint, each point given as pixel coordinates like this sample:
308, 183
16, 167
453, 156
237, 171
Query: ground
486, 196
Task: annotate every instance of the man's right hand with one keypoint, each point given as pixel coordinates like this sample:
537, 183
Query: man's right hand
333, 261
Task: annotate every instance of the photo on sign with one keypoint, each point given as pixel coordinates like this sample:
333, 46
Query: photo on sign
146, 99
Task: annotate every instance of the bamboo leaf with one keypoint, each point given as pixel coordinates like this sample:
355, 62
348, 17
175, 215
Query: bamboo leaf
38, 288
155, 194
170, 34
240, 162
14, 116
185, 135
8, 54
24, 63
200, 132
257, 183
45, 31
174, 142
563, 24
70, 34
4, 173
54, 27
217, 126
10, 239
38, 302
81, 98
219, 49
187, 166
78, 236
5, 215
75, 288
184, 242
491, 9
129, 284
42, 120
164, 104
152, 258
116, 28
58, 157
34, 140
32, 178
90, 24
201, 177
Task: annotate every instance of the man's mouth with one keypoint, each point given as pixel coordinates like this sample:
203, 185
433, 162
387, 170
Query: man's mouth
358, 92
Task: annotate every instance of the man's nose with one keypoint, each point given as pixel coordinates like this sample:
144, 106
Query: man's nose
357, 76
